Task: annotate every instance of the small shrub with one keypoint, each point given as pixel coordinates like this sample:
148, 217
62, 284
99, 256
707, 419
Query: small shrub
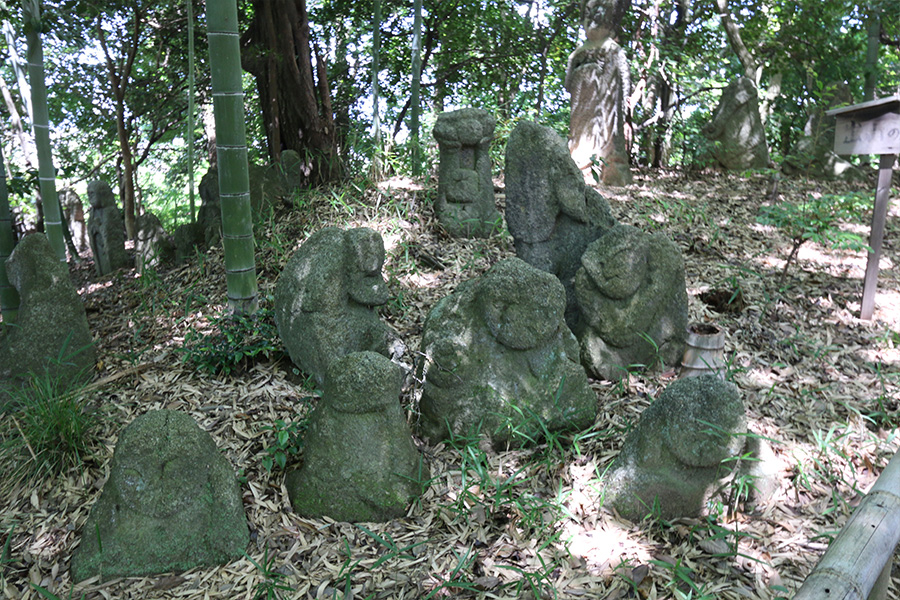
288, 443
46, 429
815, 220
238, 340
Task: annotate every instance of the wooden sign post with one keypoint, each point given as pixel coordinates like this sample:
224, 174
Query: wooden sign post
871, 128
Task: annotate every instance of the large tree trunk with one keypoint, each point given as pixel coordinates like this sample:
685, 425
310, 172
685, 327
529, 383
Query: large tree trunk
296, 108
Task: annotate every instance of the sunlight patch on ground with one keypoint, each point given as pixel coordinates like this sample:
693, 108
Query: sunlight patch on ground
399, 183
92, 288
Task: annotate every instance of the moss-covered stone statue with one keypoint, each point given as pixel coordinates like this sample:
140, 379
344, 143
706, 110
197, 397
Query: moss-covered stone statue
632, 302
678, 451
499, 359
465, 201
171, 503
51, 335
326, 296
359, 461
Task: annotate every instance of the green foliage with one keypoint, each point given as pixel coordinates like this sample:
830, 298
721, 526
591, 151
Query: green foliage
288, 443
272, 585
47, 428
238, 340
818, 220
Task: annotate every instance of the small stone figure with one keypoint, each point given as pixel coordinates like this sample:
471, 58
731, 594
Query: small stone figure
552, 215
171, 503
633, 302
106, 229
73, 214
678, 451
465, 201
51, 333
326, 296
359, 460
500, 358
154, 246
737, 128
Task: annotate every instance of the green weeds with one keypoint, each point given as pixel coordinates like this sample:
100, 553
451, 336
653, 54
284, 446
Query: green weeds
238, 340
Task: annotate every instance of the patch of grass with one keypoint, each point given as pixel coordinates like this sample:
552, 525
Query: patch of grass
237, 341
46, 429
272, 585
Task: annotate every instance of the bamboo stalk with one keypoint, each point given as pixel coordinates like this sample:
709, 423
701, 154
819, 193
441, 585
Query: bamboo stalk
231, 152
41, 123
856, 559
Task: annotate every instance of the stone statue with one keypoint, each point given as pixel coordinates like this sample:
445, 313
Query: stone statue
359, 460
171, 503
598, 79
679, 450
51, 333
737, 128
633, 302
465, 201
552, 215
154, 246
813, 154
499, 358
106, 229
326, 296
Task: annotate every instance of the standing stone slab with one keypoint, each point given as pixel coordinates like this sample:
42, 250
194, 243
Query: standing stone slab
499, 356
737, 128
359, 462
326, 296
171, 503
51, 332
552, 215
678, 451
106, 229
154, 247
630, 290
465, 200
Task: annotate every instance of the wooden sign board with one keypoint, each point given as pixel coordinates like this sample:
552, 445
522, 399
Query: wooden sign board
868, 128
871, 128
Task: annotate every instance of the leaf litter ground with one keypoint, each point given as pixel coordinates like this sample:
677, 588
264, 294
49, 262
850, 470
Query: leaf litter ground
817, 381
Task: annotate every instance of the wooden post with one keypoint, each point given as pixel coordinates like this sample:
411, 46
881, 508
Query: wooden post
871, 128
876, 237
857, 558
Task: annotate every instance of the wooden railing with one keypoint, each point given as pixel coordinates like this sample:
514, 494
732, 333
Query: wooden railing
857, 564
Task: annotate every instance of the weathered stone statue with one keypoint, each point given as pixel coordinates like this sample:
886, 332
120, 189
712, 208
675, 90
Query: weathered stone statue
106, 229
737, 128
551, 213
678, 451
171, 503
73, 214
51, 332
813, 153
498, 357
465, 201
598, 79
326, 296
359, 460
154, 246
632, 302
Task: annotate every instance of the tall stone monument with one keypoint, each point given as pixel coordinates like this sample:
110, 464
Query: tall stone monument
465, 201
737, 129
598, 79
552, 215
106, 229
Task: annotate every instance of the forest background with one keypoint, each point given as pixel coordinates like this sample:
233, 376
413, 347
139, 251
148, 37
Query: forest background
117, 75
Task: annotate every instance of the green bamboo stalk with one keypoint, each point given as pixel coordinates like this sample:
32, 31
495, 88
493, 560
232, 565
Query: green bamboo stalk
416, 154
190, 115
231, 153
9, 297
31, 14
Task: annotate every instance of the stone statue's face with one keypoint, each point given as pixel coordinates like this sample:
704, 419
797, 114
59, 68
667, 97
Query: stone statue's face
521, 325
160, 485
621, 270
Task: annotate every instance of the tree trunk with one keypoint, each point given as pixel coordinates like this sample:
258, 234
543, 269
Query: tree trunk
190, 115
231, 147
377, 171
277, 53
41, 123
873, 29
752, 68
